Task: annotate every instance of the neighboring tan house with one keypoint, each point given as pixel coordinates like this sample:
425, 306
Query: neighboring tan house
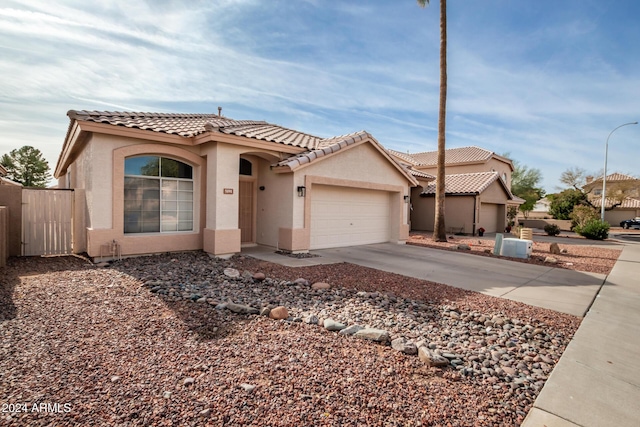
477, 190
623, 194
6, 181
155, 182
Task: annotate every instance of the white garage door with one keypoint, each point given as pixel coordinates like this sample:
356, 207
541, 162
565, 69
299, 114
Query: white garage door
489, 217
342, 216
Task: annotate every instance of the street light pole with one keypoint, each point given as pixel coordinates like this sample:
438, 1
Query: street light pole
604, 176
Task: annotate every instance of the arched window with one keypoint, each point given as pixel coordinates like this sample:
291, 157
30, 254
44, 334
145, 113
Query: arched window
245, 167
158, 195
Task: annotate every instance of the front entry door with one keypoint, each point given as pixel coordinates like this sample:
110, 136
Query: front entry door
245, 214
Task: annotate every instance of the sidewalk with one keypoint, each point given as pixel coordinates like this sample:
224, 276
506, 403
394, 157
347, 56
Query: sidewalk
597, 380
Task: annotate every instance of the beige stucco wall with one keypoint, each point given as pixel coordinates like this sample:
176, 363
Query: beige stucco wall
495, 193
565, 225
223, 162
358, 166
459, 211
458, 214
617, 215
275, 204
97, 174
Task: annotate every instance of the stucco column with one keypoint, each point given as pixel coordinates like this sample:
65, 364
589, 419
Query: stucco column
221, 234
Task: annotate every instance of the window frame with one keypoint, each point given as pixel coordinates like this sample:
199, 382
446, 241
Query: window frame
161, 200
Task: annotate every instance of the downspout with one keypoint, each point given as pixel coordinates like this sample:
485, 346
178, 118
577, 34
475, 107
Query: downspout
475, 204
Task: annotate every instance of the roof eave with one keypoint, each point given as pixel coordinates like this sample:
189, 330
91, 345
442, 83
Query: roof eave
357, 140
215, 136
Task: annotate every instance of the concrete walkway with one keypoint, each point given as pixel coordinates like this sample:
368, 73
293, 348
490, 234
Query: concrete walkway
597, 380
558, 289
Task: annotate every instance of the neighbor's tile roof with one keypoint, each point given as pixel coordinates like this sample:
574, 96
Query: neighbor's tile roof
3, 171
7, 181
190, 125
617, 177
467, 183
629, 203
405, 157
452, 156
420, 174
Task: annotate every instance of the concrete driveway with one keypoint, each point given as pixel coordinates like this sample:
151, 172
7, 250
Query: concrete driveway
558, 289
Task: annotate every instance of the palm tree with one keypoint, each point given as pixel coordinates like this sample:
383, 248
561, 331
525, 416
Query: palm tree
439, 232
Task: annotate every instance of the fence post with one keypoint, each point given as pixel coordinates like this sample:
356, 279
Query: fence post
4, 235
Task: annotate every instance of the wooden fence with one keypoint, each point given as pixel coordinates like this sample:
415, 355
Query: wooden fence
47, 222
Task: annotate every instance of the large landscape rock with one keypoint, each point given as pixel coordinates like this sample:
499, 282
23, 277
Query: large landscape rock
279, 313
241, 309
332, 325
431, 358
404, 345
231, 272
372, 334
350, 330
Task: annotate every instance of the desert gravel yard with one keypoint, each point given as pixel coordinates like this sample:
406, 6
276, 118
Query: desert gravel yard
152, 341
587, 258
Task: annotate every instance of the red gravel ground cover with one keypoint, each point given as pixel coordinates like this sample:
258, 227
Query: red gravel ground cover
97, 348
587, 258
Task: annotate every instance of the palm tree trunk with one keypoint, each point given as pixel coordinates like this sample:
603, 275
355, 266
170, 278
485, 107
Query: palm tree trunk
439, 230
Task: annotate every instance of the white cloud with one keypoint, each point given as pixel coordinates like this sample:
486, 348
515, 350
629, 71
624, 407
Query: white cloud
548, 93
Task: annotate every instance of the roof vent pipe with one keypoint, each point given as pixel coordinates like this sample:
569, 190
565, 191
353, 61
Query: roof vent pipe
219, 111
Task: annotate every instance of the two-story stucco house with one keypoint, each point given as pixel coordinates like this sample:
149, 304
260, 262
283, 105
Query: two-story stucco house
477, 189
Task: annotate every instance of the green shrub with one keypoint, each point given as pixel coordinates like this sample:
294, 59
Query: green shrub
552, 229
594, 230
582, 215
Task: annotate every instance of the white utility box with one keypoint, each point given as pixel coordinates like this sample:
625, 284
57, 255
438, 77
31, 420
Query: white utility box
517, 248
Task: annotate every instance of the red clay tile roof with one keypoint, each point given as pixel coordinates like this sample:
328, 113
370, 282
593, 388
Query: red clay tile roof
189, 125
629, 203
452, 156
324, 147
405, 157
615, 177
3, 171
468, 183
420, 174
334, 144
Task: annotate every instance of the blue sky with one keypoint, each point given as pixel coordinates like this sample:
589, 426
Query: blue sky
544, 80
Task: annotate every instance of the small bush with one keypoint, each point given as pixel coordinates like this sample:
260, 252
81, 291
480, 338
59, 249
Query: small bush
552, 229
582, 215
594, 230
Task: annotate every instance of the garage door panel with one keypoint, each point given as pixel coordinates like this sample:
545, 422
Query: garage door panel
342, 216
489, 217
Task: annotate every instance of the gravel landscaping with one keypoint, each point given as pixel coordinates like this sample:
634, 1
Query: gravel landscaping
587, 258
164, 340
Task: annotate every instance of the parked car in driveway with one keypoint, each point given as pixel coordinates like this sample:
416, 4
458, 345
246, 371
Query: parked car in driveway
631, 223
